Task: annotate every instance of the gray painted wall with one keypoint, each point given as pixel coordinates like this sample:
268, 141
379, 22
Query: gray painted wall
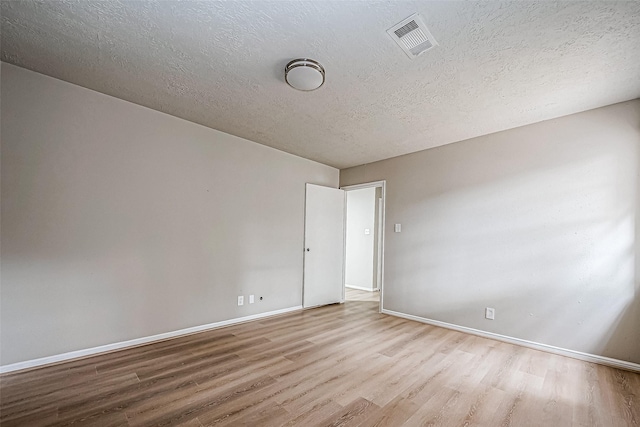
120, 222
540, 222
360, 247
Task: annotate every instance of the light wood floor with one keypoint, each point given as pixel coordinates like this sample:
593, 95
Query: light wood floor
351, 294
332, 366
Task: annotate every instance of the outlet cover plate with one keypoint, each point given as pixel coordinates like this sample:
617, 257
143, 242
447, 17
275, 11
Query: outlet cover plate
490, 313
240, 300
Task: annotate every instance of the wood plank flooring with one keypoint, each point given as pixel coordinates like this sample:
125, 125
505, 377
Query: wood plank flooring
340, 365
351, 294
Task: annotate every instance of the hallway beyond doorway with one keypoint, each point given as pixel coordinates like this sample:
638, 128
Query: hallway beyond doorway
358, 295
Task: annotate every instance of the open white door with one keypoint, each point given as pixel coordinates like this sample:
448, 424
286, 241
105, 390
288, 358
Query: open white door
324, 246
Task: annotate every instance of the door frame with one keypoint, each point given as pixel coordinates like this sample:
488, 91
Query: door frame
374, 184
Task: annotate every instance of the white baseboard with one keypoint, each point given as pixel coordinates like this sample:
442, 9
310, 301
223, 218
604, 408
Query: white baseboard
361, 288
138, 341
614, 363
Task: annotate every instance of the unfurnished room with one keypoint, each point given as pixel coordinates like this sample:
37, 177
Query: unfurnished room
319, 213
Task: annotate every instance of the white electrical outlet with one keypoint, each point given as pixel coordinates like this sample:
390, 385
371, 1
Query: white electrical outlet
240, 300
251, 299
397, 228
490, 313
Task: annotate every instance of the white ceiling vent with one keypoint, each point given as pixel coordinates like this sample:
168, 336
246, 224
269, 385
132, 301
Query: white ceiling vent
412, 36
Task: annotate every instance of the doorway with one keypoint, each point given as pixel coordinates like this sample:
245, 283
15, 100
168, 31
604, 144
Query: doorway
364, 242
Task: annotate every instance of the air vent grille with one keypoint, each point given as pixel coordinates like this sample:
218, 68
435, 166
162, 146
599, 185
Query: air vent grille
406, 29
412, 36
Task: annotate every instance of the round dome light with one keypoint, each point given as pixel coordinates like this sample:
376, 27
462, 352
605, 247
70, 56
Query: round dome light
304, 74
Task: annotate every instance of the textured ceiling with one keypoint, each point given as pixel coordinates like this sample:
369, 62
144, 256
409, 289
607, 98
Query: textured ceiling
499, 65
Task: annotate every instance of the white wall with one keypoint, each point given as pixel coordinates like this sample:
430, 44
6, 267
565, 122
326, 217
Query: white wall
540, 222
359, 260
120, 222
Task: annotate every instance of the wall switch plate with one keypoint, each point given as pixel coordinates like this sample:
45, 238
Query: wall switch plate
251, 299
240, 300
490, 313
397, 228
367, 231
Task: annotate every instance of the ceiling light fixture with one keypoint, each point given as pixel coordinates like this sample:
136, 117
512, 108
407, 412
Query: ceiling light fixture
304, 74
